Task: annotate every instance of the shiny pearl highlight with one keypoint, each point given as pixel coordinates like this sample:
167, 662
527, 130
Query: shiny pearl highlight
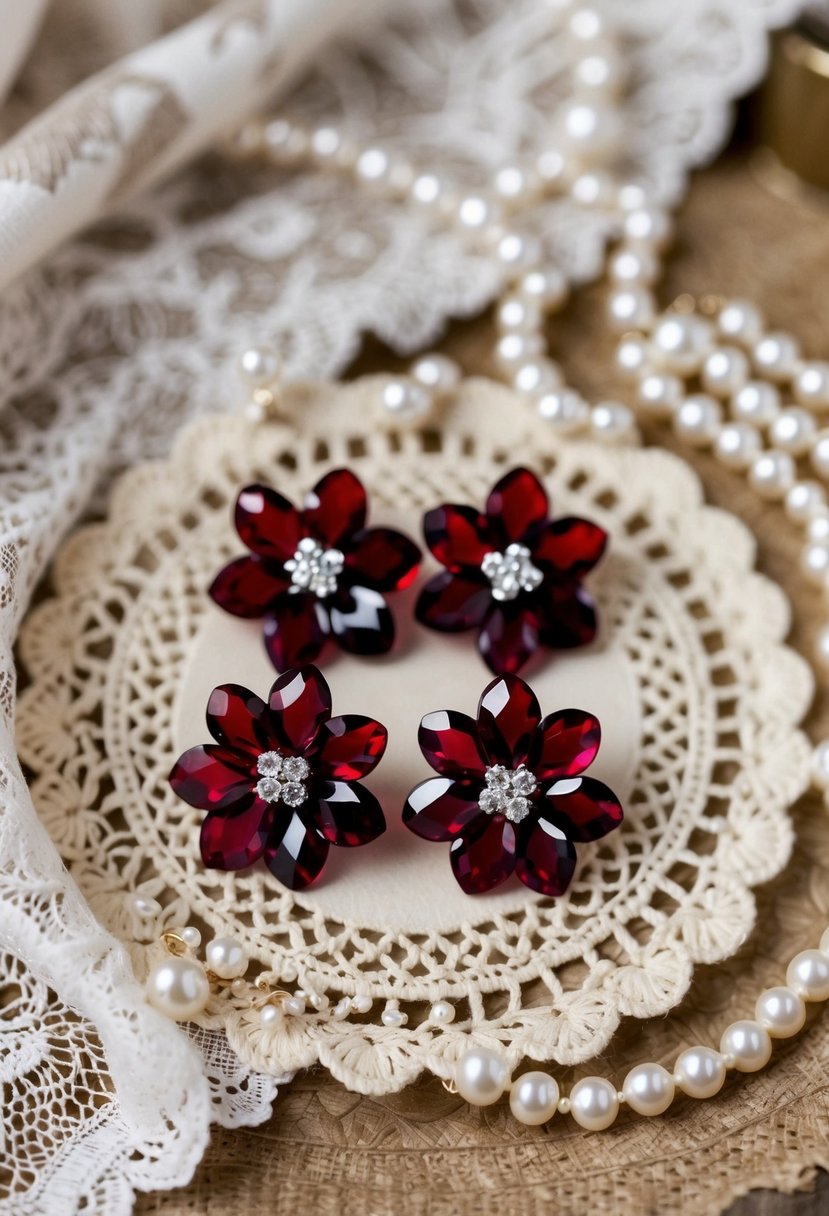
748, 1044
680, 343
594, 1103
772, 474
700, 1072
178, 987
808, 975
533, 1098
481, 1076
226, 958
406, 400
649, 1089
442, 1012
740, 321
776, 356
436, 373
698, 420
781, 1011
738, 444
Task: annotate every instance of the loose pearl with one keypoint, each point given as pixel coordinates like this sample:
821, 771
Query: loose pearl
590, 129
612, 422
814, 562
648, 226
146, 907
270, 1015
776, 355
442, 1012
178, 987
476, 213
698, 420
515, 349
632, 356
756, 402
565, 410
536, 377
738, 444
406, 400
680, 343
516, 185
633, 266
260, 366
803, 499
793, 430
781, 1011
772, 474
594, 1103
601, 73
438, 374
533, 1098
724, 371
226, 958
341, 1010
518, 251
819, 454
294, 1005
748, 1044
518, 313
811, 385
660, 395
361, 1003
547, 286
481, 1076
649, 1089
319, 1001
700, 1072
392, 1016
740, 321
822, 647
630, 308
808, 975
239, 987
191, 937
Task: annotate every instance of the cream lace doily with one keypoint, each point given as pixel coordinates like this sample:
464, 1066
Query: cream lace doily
698, 697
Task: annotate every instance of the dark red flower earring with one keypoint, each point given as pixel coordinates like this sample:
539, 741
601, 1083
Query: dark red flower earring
510, 796
282, 779
512, 573
315, 573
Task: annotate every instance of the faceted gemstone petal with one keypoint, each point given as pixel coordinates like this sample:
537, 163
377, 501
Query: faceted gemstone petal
458, 536
450, 603
297, 631
568, 617
587, 808
569, 742
361, 621
509, 636
349, 747
300, 702
517, 507
508, 718
267, 522
383, 559
336, 508
569, 546
439, 808
546, 858
349, 814
295, 851
233, 842
212, 778
449, 741
484, 855
237, 719
248, 587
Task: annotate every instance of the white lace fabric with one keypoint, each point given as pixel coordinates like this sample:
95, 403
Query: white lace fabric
109, 346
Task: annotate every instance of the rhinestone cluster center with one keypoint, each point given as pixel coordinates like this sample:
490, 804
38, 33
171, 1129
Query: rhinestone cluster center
508, 792
511, 572
282, 778
314, 568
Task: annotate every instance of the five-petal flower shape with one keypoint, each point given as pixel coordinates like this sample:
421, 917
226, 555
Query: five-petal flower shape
512, 573
510, 795
281, 781
315, 573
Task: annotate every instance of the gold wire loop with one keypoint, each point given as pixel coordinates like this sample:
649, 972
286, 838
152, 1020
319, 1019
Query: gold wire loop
174, 942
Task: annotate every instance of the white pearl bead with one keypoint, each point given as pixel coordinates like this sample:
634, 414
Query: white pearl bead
533, 1098
191, 937
515, 184
438, 374
536, 377
820, 766
375, 168
285, 143
270, 1015
814, 562
724, 371
586, 27
406, 400
680, 343
481, 1076
553, 169
593, 189
392, 1016
342, 1009
594, 1103
698, 419
781, 1011
819, 454
178, 987
476, 213
260, 366
226, 958
427, 190
630, 308
328, 147
589, 128
773, 474
803, 499
649, 1089
318, 1001
361, 1003
811, 385
547, 286
632, 197
442, 1012
632, 356
565, 410
776, 356
817, 528
239, 987
145, 907
648, 226
808, 975
659, 394
700, 1072
756, 402
633, 266
793, 430
518, 251
612, 422
294, 1005
515, 349
516, 312
738, 444
748, 1044
740, 321
601, 73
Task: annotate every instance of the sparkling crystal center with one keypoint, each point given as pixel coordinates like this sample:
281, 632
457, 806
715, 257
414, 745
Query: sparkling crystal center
511, 572
282, 778
314, 568
508, 792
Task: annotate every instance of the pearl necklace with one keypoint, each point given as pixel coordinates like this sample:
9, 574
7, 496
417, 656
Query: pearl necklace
688, 365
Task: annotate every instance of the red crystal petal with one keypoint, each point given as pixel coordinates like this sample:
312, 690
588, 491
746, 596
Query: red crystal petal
267, 522
212, 778
439, 808
383, 559
517, 506
247, 587
508, 718
458, 536
349, 815
450, 603
233, 842
449, 741
569, 742
484, 855
349, 747
295, 852
361, 621
546, 858
588, 809
568, 617
297, 631
569, 546
300, 702
336, 507
508, 637
237, 719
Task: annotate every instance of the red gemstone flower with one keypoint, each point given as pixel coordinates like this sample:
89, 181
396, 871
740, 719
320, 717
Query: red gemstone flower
315, 573
281, 780
510, 795
512, 573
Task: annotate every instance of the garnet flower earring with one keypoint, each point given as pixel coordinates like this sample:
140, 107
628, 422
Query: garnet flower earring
510, 795
315, 573
512, 573
281, 781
